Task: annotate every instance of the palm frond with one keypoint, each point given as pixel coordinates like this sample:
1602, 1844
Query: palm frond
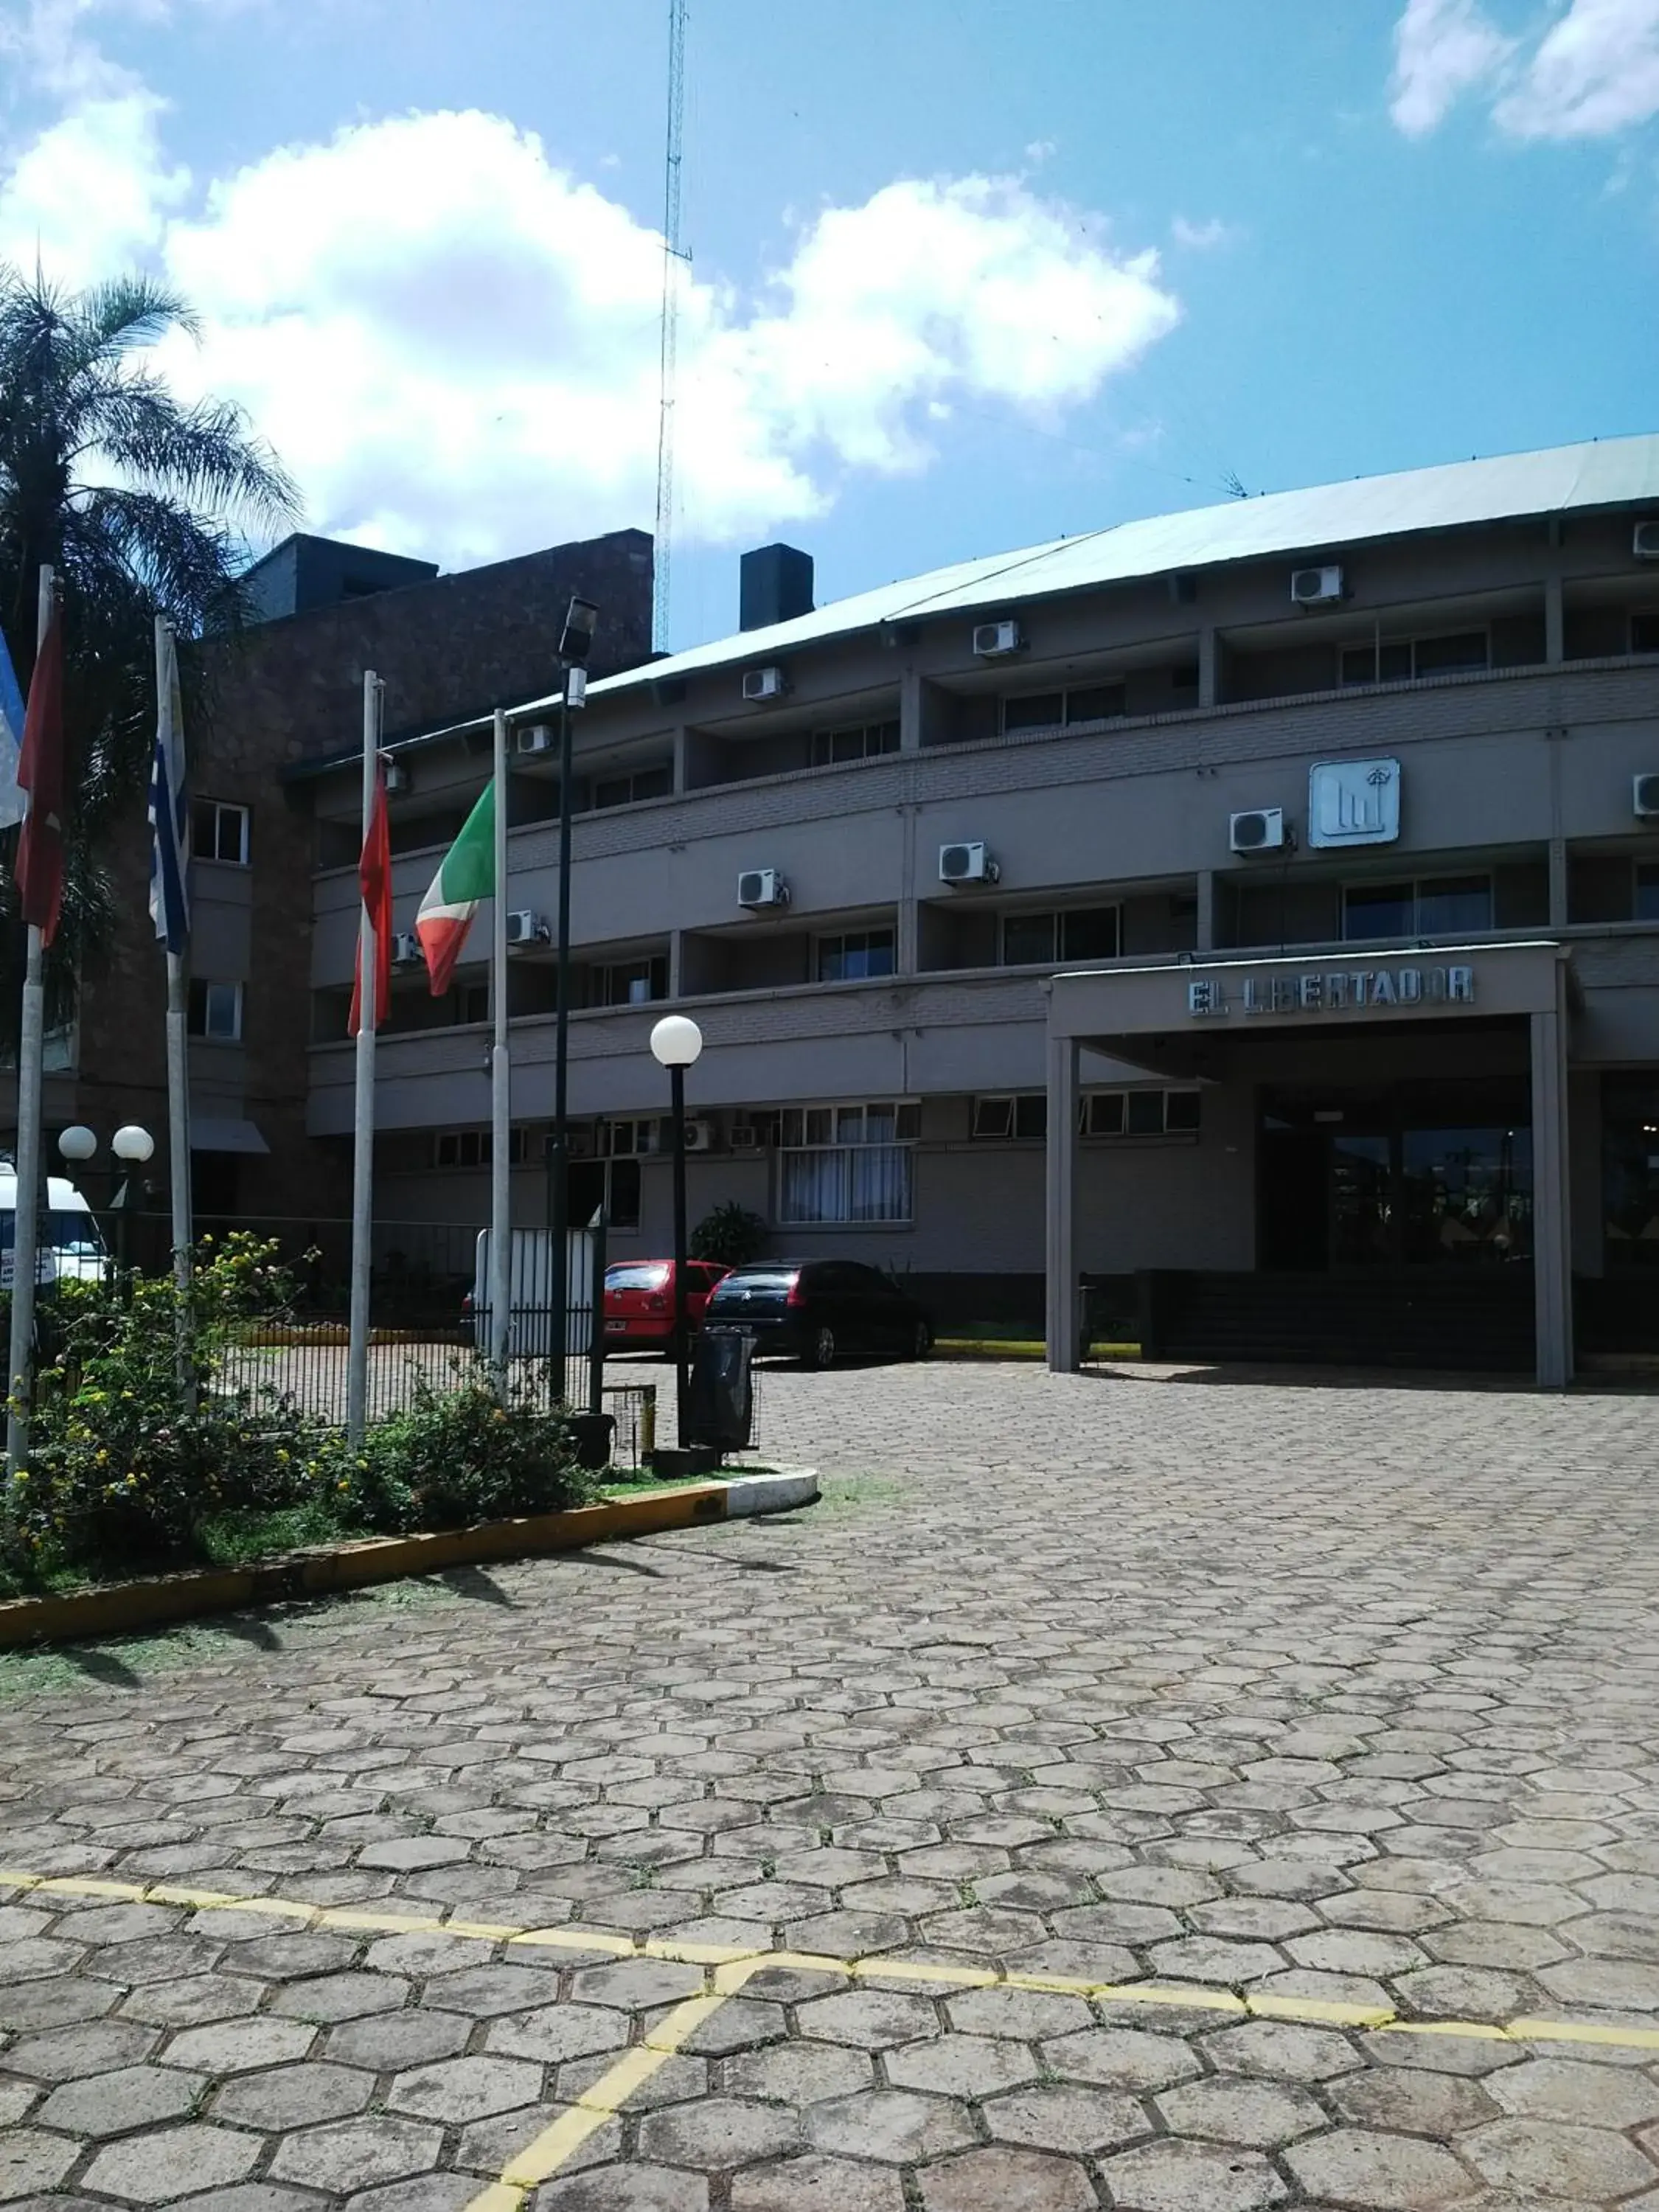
207, 455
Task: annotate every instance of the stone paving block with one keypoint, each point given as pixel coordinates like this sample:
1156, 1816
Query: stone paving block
632, 2188
1282, 2050
717, 2133
890, 2125
1178, 2176
1066, 2117
168, 2163
989, 2180
1553, 2157
869, 2019
1236, 2109
1121, 2058
797, 2074
117, 2103
1372, 2168
811, 2184
32, 2160
237, 2046
346, 1996
287, 2097
387, 2042
458, 2089
970, 2066
1406, 2100
67, 2054
556, 2032
354, 2154
1578, 2090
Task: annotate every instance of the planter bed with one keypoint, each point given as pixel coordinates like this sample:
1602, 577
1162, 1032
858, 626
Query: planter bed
114, 1608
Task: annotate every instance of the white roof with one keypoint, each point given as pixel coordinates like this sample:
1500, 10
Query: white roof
1615, 472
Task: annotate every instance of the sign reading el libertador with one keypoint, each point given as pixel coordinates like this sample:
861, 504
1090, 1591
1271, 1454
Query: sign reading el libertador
1330, 990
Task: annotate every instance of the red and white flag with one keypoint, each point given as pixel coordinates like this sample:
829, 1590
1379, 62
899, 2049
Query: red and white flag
375, 880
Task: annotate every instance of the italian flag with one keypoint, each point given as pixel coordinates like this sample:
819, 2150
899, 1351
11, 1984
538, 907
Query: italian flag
466, 877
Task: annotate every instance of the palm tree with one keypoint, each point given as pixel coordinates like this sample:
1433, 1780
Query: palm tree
137, 502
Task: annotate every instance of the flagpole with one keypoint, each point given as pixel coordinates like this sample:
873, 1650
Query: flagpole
362, 1162
179, 1161
501, 1211
26, 1222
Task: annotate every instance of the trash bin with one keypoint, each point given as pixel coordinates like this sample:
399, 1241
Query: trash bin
720, 1398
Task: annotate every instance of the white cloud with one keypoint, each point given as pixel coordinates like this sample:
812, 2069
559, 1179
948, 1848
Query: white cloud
92, 192
1441, 49
1202, 237
452, 344
1592, 70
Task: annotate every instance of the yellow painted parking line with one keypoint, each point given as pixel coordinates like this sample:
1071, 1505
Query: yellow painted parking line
560, 2141
735, 1963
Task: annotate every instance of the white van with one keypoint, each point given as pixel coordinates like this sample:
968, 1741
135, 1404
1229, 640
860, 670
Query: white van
71, 1250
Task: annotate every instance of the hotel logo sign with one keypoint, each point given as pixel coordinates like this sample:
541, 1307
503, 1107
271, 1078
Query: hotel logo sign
1353, 803
1330, 991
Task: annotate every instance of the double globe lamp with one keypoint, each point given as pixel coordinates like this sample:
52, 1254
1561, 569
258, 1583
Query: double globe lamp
132, 1147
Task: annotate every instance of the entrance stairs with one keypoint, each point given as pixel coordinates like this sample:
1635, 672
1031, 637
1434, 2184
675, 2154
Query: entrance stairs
1429, 1317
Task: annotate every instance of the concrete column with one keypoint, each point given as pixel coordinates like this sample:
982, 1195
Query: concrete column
910, 712
1204, 938
1558, 883
1062, 1236
1555, 627
675, 939
1209, 657
1551, 1226
680, 764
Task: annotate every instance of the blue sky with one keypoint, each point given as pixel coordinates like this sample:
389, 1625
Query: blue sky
965, 275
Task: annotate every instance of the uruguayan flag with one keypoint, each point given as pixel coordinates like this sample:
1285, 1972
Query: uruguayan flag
169, 806
11, 738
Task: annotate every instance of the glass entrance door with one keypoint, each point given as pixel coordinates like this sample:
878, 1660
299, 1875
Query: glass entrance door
1418, 1175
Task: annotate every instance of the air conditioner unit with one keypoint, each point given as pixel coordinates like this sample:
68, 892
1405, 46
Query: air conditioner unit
1260, 830
406, 950
967, 863
397, 777
762, 684
746, 1138
526, 927
699, 1136
762, 887
1644, 796
996, 640
538, 740
1315, 587
1644, 544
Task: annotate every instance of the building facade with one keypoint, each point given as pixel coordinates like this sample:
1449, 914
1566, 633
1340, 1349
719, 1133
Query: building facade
286, 689
1395, 730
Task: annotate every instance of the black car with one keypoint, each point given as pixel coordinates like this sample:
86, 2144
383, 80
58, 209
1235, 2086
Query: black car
821, 1310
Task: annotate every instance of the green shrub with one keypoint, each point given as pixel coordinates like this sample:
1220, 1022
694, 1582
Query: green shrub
730, 1236
457, 1457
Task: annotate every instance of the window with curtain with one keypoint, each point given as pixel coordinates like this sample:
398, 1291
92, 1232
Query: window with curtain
847, 1163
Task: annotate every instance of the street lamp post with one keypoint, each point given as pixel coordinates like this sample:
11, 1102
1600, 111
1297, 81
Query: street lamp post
675, 1042
575, 643
131, 1147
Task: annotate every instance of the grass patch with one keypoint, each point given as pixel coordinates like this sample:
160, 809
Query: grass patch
238, 1540
847, 1493
1020, 1347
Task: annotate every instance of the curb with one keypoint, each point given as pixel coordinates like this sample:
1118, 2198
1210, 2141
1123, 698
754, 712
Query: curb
120, 1608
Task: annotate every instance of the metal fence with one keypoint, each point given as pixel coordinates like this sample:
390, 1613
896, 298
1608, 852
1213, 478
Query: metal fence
429, 1329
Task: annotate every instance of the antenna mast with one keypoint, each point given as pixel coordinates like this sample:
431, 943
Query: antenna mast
672, 255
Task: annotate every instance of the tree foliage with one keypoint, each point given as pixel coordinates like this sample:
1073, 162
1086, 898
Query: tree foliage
137, 499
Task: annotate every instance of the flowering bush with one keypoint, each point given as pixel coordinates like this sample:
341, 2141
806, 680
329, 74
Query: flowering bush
458, 1456
124, 1460
131, 1468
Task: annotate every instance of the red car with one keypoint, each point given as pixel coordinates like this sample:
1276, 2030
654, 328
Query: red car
639, 1301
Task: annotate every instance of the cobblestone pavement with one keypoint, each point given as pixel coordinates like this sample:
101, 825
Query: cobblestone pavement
1295, 1707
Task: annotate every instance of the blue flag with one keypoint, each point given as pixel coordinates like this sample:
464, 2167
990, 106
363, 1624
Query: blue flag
169, 805
11, 738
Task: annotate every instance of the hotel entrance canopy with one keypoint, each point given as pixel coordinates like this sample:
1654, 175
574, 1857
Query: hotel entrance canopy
1198, 1020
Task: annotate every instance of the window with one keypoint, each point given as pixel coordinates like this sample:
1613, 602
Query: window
1644, 633
624, 1139
471, 1002
865, 741
215, 1011
1084, 933
219, 831
1024, 1120
1054, 710
612, 1184
629, 785
630, 982
1437, 906
474, 1148
1139, 1112
853, 954
1646, 906
847, 1163
1391, 661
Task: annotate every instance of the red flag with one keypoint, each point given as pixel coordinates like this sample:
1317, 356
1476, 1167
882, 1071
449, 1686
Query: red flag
41, 773
374, 877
